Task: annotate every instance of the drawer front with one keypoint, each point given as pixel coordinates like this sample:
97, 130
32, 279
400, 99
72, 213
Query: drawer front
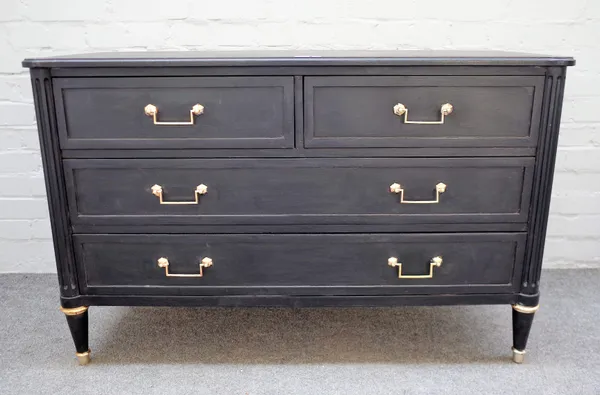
316, 264
235, 112
501, 111
298, 191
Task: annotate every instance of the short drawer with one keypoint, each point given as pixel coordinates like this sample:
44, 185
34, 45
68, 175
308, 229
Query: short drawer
175, 112
298, 191
406, 111
310, 264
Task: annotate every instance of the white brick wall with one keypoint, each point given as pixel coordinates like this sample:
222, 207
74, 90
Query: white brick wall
41, 27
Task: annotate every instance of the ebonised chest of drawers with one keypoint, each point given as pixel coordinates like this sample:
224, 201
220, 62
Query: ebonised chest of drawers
310, 179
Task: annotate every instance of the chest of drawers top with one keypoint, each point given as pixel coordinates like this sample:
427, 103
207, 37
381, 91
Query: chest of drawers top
278, 58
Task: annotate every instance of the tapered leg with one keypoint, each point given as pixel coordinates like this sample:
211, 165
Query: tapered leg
77, 318
522, 318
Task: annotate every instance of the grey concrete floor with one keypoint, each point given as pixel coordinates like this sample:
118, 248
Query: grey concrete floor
410, 350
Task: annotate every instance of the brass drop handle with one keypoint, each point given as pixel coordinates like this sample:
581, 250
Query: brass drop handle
201, 189
446, 109
439, 188
204, 263
435, 262
152, 111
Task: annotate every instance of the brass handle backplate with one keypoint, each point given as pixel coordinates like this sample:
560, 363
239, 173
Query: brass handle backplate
204, 263
439, 188
446, 109
201, 189
152, 111
435, 262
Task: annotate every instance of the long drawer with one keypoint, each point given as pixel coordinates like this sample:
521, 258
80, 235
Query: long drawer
315, 264
422, 111
293, 191
175, 112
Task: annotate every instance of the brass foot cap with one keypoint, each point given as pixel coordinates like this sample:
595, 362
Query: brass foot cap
518, 356
73, 311
84, 357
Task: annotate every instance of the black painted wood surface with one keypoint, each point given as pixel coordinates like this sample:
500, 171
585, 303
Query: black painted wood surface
521, 323
239, 112
41, 82
544, 174
309, 264
298, 151
485, 65
78, 325
307, 191
294, 301
358, 111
